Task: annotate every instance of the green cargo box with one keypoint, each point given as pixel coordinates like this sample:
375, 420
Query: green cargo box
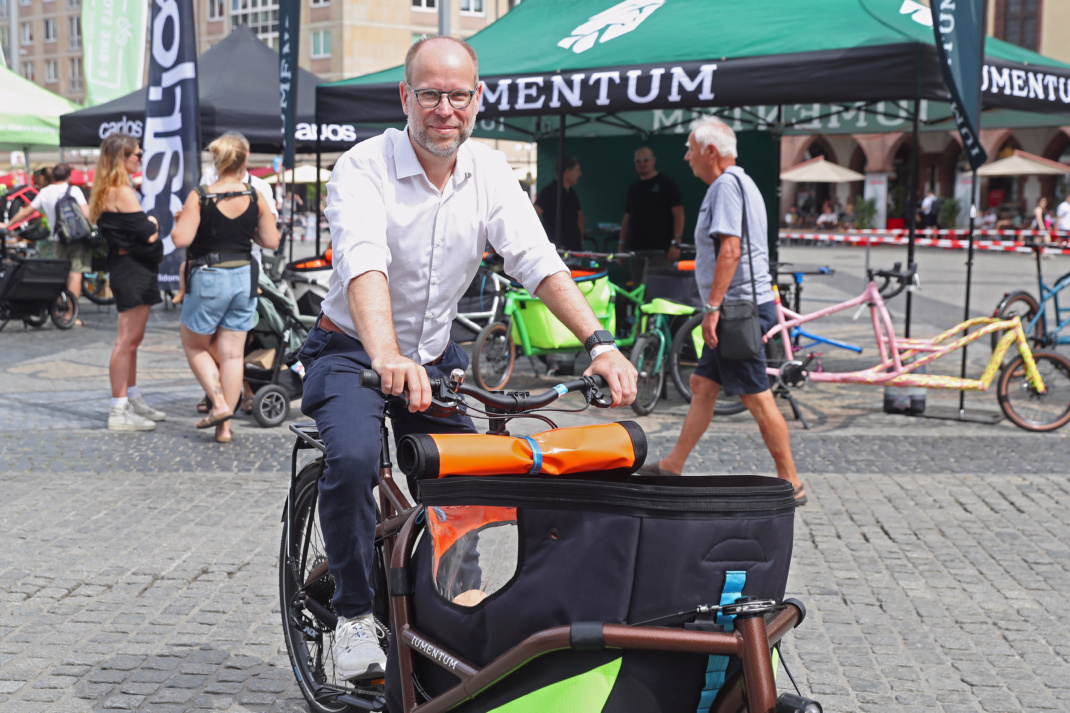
547, 332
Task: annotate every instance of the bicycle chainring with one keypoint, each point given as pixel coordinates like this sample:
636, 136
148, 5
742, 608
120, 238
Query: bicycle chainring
793, 375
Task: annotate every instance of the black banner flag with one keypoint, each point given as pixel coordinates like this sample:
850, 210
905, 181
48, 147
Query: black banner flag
289, 34
960, 44
171, 165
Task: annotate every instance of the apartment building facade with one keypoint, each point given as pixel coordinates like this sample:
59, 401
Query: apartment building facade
42, 41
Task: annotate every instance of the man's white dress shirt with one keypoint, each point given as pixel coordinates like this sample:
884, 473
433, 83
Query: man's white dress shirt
386, 216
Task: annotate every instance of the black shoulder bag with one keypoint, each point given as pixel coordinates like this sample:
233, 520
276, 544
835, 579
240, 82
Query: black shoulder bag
739, 330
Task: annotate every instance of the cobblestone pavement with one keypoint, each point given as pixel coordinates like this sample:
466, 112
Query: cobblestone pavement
138, 571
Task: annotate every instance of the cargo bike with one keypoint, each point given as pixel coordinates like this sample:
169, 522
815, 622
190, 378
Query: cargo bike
34, 290
536, 573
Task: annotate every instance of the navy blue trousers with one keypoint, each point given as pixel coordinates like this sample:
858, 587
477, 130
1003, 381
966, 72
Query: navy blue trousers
349, 417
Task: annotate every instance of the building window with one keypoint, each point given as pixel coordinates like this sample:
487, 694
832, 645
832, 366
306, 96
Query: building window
51, 71
1018, 22
472, 7
321, 44
74, 4
5, 37
25, 2
50, 30
76, 74
5, 10
74, 32
319, 3
429, 5
262, 17
27, 70
216, 9
26, 33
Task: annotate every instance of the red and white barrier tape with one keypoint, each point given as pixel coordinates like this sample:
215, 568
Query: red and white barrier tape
899, 237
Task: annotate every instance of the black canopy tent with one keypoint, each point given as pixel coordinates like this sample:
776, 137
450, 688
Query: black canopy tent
238, 81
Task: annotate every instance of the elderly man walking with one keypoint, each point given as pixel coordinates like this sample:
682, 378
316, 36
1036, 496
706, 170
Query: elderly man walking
722, 275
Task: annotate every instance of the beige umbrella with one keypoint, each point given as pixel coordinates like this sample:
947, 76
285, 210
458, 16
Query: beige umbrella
305, 173
818, 170
1021, 163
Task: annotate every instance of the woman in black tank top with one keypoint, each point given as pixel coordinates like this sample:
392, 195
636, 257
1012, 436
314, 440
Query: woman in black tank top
218, 225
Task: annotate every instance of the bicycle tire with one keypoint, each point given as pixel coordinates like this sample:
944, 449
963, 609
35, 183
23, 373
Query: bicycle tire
95, 286
64, 310
1024, 306
308, 639
1020, 402
493, 357
648, 362
683, 358
37, 320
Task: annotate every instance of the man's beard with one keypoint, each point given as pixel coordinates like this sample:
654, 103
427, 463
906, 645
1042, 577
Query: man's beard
420, 135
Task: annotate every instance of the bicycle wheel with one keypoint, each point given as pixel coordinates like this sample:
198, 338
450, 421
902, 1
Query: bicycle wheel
493, 357
1024, 306
1021, 403
305, 589
37, 320
647, 360
96, 289
64, 311
686, 349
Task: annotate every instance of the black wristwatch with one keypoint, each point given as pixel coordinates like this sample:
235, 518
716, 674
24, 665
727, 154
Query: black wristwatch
600, 336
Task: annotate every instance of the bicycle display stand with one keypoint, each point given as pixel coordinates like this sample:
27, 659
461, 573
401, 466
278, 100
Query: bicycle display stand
950, 413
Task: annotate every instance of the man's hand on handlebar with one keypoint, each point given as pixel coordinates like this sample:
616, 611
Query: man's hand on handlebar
398, 374
619, 374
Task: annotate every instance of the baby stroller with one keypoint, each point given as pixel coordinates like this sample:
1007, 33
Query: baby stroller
271, 365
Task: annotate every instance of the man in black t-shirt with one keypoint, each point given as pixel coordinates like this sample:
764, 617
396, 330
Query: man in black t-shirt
653, 223
571, 237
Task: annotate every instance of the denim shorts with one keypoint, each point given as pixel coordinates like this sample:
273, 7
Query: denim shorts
739, 377
219, 297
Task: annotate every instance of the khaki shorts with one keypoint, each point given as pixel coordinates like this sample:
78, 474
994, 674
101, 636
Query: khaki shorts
77, 253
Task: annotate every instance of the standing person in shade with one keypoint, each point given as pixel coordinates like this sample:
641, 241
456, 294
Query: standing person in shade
45, 202
723, 273
134, 255
410, 214
572, 229
653, 222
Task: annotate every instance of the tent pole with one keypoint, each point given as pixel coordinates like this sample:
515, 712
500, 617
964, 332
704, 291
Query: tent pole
560, 181
969, 279
912, 211
319, 158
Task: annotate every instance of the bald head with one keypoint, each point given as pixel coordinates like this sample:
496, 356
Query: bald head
443, 52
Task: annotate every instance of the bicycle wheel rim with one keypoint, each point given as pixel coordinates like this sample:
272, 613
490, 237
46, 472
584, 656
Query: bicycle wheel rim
493, 357
651, 374
1021, 403
310, 657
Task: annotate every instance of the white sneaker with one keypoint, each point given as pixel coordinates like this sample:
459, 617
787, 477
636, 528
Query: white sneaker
123, 418
145, 411
356, 649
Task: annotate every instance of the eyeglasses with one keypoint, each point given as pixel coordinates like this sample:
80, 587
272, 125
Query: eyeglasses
139, 154
643, 160
431, 98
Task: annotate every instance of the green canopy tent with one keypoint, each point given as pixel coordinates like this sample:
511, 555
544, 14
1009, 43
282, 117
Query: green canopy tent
597, 62
29, 114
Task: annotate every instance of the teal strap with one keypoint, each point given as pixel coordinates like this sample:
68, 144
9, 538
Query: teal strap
536, 455
717, 664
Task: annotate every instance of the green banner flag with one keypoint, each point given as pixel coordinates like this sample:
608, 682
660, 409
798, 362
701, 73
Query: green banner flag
113, 34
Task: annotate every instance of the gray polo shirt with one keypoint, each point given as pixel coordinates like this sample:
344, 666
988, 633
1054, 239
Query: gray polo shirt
722, 214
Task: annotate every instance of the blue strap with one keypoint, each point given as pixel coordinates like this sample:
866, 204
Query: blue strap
717, 665
536, 455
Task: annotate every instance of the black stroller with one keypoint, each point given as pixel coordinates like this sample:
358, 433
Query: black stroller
276, 338
34, 290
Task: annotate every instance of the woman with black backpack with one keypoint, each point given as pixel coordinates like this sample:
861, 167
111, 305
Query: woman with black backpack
219, 224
